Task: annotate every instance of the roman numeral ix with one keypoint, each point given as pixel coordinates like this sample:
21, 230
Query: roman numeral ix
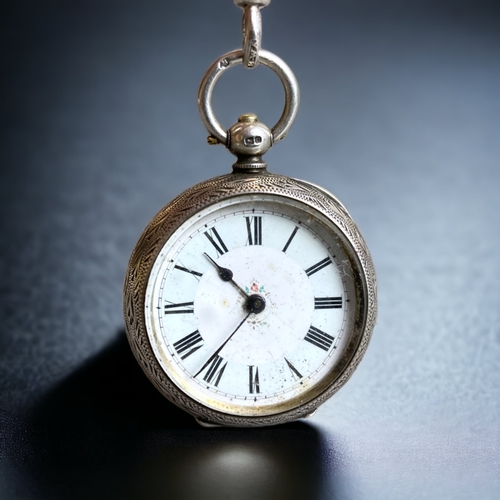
254, 230
327, 302
319, 338
181, 308
193, 342
318, 266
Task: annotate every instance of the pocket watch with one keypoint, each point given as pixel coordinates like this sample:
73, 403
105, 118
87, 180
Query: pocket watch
250, 299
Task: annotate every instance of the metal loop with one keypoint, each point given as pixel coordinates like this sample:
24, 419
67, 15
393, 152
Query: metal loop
252, 36
252, 30
272, 61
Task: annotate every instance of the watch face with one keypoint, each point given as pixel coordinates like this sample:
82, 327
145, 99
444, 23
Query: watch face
251, 305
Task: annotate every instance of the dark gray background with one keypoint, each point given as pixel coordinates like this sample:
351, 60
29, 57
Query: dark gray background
400, 118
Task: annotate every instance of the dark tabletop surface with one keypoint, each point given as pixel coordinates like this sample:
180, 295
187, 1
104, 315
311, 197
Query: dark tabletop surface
400, 118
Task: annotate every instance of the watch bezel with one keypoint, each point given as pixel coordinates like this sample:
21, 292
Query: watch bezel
216, 190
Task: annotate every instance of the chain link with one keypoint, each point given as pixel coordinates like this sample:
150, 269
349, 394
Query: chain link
252, 30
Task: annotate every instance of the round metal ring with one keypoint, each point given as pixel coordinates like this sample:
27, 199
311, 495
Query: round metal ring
272, 61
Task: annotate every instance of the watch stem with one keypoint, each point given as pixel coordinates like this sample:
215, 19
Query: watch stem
249, 139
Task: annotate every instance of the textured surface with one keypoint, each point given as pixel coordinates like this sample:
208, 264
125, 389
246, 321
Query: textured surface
400, 118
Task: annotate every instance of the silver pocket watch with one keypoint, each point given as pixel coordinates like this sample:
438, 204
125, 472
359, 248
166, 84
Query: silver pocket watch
250, 298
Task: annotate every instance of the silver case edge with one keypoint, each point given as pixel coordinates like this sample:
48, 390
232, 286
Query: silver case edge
188, 204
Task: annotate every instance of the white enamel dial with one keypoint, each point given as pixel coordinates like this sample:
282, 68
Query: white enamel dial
204, 330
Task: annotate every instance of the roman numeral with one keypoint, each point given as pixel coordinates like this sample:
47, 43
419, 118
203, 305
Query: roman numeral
293, 369
193, 341
319, 338
253, 380
292, 236
177, 308
317, 267
186, 270
327, 302
215, 371
255, 232
219, 245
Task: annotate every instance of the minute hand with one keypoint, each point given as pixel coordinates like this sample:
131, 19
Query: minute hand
215, 354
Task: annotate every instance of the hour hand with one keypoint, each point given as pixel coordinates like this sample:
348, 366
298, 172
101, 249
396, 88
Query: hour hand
225, 274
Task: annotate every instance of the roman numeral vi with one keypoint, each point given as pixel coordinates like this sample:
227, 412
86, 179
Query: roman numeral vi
253, 380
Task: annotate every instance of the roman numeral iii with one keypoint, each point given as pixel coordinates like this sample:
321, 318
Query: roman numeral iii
327, 302
319, 338
254, 230
193, 342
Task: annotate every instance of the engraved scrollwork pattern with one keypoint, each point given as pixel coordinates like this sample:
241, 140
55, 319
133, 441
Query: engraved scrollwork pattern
182, 208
